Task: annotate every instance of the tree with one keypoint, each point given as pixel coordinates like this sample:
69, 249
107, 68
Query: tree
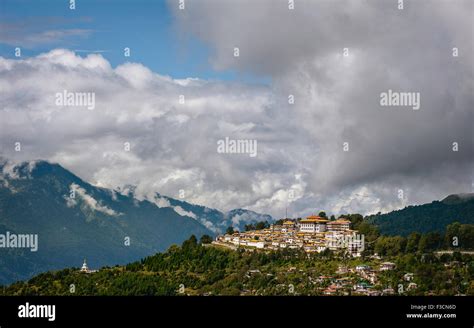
190, 243
452, 235
429, 242
206, 239
369, 231
466, 239
355, 219
397, 245
230, 230
249, 227
459, 236
390, 245
381, 245
261, 225
322, 214
412, 243
333, 218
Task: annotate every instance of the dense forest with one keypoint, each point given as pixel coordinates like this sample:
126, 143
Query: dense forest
199, 268
432, 217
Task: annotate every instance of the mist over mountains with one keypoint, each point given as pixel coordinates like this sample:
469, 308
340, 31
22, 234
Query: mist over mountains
75, 220
212, 219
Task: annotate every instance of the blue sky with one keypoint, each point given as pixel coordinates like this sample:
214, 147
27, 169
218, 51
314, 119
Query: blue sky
146, 27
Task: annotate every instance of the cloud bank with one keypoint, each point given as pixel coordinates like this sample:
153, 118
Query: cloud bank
334, 149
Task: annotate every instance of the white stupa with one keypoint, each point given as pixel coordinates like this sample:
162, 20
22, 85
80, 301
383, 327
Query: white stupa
84, 267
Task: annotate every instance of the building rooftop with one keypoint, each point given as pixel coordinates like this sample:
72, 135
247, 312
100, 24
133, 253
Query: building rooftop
314, 219
340, 222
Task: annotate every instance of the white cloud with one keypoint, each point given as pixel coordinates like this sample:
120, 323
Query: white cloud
336, 97
182, 212
173, 145
163, 202
88, 200
14, 170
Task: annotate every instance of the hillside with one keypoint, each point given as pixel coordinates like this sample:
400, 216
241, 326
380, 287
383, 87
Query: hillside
194, 269
427, 217
75, 220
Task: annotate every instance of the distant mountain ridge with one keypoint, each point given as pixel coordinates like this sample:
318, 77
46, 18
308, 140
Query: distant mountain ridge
458, 198
75, 220
213, 219
434, 216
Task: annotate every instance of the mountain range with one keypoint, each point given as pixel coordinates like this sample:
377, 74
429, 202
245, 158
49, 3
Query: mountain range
212, 219
75, 220
434, 216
